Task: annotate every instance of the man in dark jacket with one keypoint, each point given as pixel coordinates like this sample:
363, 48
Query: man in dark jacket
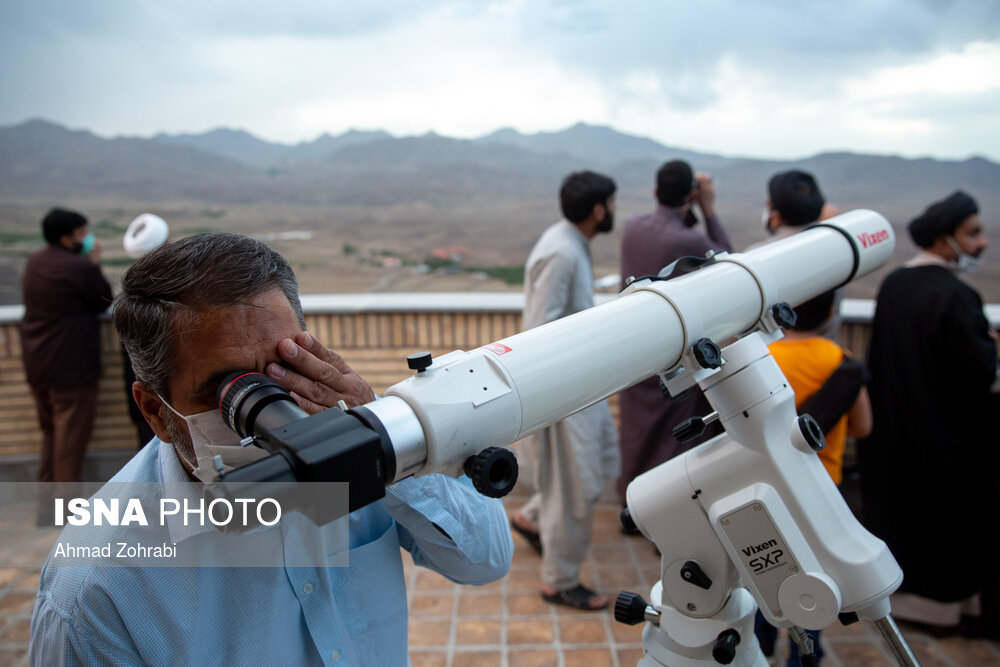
64, 292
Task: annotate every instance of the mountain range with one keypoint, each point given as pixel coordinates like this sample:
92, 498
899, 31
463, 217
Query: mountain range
43, 159
405, 196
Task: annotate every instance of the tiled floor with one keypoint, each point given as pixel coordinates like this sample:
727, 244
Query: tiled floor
505, 623
508, 624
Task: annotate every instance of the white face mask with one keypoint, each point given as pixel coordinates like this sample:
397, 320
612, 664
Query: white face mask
210, 437
966, 263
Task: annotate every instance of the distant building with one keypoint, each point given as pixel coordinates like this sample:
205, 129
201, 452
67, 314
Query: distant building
456, 254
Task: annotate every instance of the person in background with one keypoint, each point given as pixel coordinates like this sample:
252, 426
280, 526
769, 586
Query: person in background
929, 468
64, 292
812, 364
146, 232
572, 457
650, 242
829, 382
794, 201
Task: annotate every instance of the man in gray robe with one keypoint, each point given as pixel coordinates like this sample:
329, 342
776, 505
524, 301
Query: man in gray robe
574, 456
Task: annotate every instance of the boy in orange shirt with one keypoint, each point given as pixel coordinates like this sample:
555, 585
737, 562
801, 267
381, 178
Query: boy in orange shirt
827, 382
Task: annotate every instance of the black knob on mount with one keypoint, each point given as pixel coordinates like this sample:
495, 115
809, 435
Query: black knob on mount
812, 432
419, 361
707, 353
784, 315
628, 523
689, 428
493, 471
664, 390
692, 573
848, 617
724, 650
630, 608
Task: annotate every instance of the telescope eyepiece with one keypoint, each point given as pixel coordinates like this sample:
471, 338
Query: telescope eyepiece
244, 396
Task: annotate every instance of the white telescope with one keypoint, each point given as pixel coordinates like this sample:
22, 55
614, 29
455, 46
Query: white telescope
753, 507
501, 392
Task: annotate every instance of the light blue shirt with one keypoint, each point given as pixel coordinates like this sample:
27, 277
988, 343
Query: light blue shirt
356, 615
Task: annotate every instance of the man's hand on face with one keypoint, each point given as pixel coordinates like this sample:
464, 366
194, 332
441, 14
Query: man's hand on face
95, 252
316, 376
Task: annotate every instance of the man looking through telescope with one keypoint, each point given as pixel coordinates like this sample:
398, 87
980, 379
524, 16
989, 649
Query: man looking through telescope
190, 313
651, 242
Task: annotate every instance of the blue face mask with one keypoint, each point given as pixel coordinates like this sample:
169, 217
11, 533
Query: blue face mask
87, 244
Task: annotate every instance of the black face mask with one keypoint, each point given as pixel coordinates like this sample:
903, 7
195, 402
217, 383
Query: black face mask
690, 220
607, 224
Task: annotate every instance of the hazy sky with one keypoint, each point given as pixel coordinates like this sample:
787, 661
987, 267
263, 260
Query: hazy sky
763, 78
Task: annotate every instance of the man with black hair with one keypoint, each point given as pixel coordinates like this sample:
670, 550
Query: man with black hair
794, 200
929, 469
64, 292
649, 243
574, 456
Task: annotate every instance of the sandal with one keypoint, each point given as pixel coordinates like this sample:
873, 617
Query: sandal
533, 538
578, 597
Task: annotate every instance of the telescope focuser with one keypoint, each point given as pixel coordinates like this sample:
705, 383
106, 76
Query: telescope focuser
493, 471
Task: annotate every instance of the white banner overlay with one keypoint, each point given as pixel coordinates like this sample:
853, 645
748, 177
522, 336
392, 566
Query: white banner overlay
143, 524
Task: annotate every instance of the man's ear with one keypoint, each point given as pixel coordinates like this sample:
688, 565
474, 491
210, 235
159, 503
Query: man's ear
599, 212
152, 409
942, 248
775, 221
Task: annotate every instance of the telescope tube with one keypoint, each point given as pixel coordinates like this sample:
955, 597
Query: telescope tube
501, 392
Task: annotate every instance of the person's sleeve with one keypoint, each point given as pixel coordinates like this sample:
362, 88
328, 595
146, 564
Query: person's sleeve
836, 396
95, 288
55, 640
451, 528
552, 277
969, 346
717, 234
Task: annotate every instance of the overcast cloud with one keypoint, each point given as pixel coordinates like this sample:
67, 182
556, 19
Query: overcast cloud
779, 78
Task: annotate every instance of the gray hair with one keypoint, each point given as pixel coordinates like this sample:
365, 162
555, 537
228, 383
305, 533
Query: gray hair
172, 283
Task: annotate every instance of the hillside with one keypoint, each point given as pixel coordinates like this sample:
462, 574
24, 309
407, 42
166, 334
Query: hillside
242, 146
374, 206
